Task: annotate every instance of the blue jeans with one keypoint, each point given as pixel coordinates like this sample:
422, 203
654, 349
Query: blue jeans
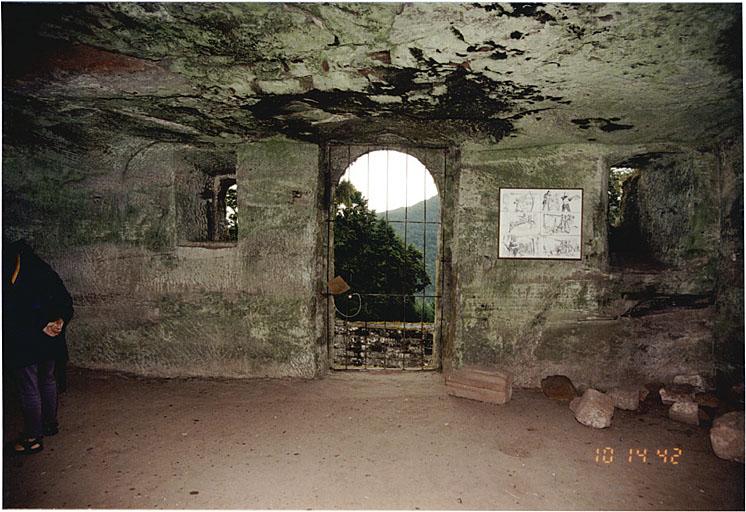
38, 391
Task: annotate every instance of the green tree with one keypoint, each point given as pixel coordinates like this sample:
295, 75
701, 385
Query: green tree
231, 212
617, 177
372, 258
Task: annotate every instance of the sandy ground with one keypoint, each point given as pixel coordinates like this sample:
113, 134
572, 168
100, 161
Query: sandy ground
351, 441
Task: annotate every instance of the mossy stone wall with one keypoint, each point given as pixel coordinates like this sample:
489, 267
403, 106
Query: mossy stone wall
105, 215
544, 317
106, 219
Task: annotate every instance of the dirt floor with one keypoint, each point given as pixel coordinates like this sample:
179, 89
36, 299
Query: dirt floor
352, 441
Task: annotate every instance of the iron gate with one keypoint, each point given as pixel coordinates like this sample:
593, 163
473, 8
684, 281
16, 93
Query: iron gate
403, 343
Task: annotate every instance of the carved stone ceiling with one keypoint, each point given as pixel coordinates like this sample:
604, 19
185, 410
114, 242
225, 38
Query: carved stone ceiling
520, 74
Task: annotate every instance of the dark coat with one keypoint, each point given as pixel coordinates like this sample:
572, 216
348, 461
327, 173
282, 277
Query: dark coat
37, 298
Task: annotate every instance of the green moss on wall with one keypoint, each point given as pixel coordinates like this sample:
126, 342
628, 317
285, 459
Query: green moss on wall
246, 330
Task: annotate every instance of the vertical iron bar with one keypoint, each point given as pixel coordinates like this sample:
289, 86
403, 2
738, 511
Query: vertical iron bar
368, 195
387, 187
406, 267
367, 155
424, 258
386, 214
365, 339
346, 325
329, 207
443, 274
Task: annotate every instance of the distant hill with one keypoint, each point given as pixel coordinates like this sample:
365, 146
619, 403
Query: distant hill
422, 236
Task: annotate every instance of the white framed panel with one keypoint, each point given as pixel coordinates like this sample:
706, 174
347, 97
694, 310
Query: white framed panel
541, 223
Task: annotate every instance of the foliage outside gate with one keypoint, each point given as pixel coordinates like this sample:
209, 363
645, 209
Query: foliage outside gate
377, 264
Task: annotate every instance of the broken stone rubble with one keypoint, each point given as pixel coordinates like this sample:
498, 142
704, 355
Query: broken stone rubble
625, 398
705, 418
707, 400
684, 412
696, 381
643, 392
727, 436
594, 409
574, 404
676, 393
558, 387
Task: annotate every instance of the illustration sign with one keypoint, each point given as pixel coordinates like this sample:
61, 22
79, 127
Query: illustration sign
541, 223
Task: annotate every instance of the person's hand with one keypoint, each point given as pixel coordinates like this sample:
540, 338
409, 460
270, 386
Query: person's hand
54, 328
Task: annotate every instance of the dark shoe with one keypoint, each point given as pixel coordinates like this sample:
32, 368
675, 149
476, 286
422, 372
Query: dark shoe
51, 429
28, 445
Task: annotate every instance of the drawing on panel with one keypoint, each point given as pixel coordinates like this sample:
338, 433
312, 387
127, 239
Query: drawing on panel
523, 223
520, 201
562, 224
520, 246
556, 247
540, 223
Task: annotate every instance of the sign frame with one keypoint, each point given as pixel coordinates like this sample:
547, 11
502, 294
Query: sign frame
540, 223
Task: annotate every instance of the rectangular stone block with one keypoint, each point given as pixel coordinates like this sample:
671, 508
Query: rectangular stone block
684, 412
492, 386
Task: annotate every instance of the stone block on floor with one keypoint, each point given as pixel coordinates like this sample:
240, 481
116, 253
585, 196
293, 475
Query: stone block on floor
625, 398
684, 412
705, 417
726, 436
574, 404
707, 400
677, 393
595, 409
493, 386
695, 380
644, 392
558, 387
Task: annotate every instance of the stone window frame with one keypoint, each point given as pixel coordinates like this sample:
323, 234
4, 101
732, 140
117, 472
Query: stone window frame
209, 204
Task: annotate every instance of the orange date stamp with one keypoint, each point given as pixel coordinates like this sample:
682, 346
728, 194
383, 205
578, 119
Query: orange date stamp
608, 455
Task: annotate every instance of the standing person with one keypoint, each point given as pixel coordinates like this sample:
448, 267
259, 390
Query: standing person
36, 310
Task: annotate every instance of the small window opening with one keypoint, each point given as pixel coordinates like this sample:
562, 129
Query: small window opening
207, 201
627, 243
220, 210
224, 211
231, 211
617, 177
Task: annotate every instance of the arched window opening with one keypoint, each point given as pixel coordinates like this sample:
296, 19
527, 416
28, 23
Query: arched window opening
386, 231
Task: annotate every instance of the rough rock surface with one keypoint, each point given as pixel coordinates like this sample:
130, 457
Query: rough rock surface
625, 398
653, 392
595, 409
696, 381
677, 393
574, 404
643, 392
707, 400
558, 387
726, 436
244, 69
684, 412
705, 418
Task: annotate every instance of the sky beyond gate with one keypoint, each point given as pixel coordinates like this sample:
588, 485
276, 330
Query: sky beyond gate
390, 180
